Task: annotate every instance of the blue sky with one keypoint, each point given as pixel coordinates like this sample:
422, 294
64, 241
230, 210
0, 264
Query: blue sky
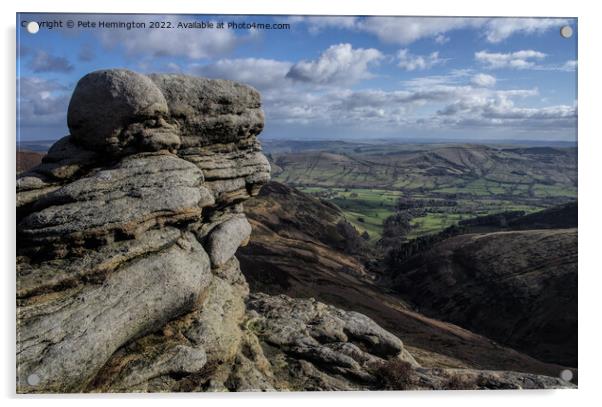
330, 77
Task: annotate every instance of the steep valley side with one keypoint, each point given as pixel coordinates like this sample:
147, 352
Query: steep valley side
517, 287
297, 249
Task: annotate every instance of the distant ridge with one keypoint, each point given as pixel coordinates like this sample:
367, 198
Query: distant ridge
39, 146
282, 145
371, 141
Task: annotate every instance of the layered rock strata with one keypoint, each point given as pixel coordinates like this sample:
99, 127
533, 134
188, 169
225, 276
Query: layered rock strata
130, 223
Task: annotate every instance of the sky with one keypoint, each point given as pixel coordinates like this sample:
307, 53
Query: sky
327, 77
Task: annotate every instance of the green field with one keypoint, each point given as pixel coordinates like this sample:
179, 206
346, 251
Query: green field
366, 182
366, 209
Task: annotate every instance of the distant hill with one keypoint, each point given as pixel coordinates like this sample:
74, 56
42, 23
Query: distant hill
436, 168
39, 146
288, 145
557, 217
517, 287
295, 146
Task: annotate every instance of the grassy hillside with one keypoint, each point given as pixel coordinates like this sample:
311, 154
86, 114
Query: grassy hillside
366, 181
470, 169
365, 208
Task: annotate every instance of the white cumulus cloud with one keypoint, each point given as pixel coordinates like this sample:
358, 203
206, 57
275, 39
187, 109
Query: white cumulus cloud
319, 23
406, 30
411, 62
42, 102
261, 73
523, 59
498, 29
569, 66
424, 105
483, 80
339, 64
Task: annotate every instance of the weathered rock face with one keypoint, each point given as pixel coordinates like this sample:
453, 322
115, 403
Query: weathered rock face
107, 108
342, 350
127, 278
128, 229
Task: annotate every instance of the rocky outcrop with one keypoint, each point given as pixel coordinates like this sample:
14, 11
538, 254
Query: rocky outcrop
335, 349
129, 226
311, 346
127, 279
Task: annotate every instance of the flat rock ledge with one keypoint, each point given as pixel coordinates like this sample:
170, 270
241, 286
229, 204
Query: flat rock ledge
127, 279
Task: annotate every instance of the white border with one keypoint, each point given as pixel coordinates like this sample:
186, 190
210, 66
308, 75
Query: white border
590, 156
